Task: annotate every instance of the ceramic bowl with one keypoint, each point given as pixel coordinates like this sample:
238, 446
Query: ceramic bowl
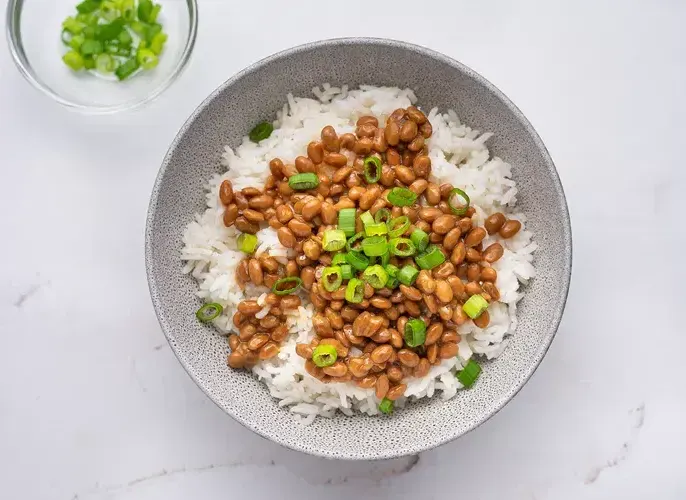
255, 94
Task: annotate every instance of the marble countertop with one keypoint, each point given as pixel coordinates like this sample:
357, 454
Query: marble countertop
94, 405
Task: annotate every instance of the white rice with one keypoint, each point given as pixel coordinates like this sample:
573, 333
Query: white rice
458, 155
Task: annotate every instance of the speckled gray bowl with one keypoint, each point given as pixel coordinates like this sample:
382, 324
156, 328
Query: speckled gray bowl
256, 94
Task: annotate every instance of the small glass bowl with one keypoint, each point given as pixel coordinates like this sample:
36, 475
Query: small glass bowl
33, 34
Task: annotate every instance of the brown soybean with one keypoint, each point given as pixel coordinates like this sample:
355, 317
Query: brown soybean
447, 351
286, 237
396, 391
475, 236
226, 192
382, 385
483, 320
493, 252
311, 209
408, 358
230, 215
408, 131
415, 115
404, 174
348, 141
255, 271
510, 228
473, 272
299, 228
489, 274
444, 292
330, 139
473, 255
304, 164
494, 222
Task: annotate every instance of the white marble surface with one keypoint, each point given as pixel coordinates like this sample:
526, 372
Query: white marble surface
93, 404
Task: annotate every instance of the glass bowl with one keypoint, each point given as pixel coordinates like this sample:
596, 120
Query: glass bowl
34, 30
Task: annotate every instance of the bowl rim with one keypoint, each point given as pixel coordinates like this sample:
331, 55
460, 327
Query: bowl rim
14, 42
567, 234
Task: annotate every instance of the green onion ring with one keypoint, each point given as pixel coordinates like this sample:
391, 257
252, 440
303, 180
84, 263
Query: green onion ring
208, 312
396, 247
461, 210
290, 279
398, 226
415, 332
324, 355
332, 278
350, 245
382, 215
372, 169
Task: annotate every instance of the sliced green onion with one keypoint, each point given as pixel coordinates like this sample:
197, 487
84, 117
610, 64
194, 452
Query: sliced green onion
76, 42
126, 69
382, 215
157, 43
375, 229
408, 275
333, 240
332, 278
375, 276
151, 31
346, 271
324, 355
105, 63
287, 285
125, 38
128, 10
338, 259
88, 6
108, 10
154, 13
385, 258
392, 282
261, 131
208, 312
144, 10
109, 31
247, 243
420, 239
357, 260
374, 246
303, 182
468, 375
146, 58
415, 332
346, 221
367, 218
91, 47
475, 306
72, 25
402, 247
74, 60
461, 209
354, 244
89, 63
392, 270
401, 197
66, 37
372, 169
354, 292
139, 28
398, 226
432, 257
386, 406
